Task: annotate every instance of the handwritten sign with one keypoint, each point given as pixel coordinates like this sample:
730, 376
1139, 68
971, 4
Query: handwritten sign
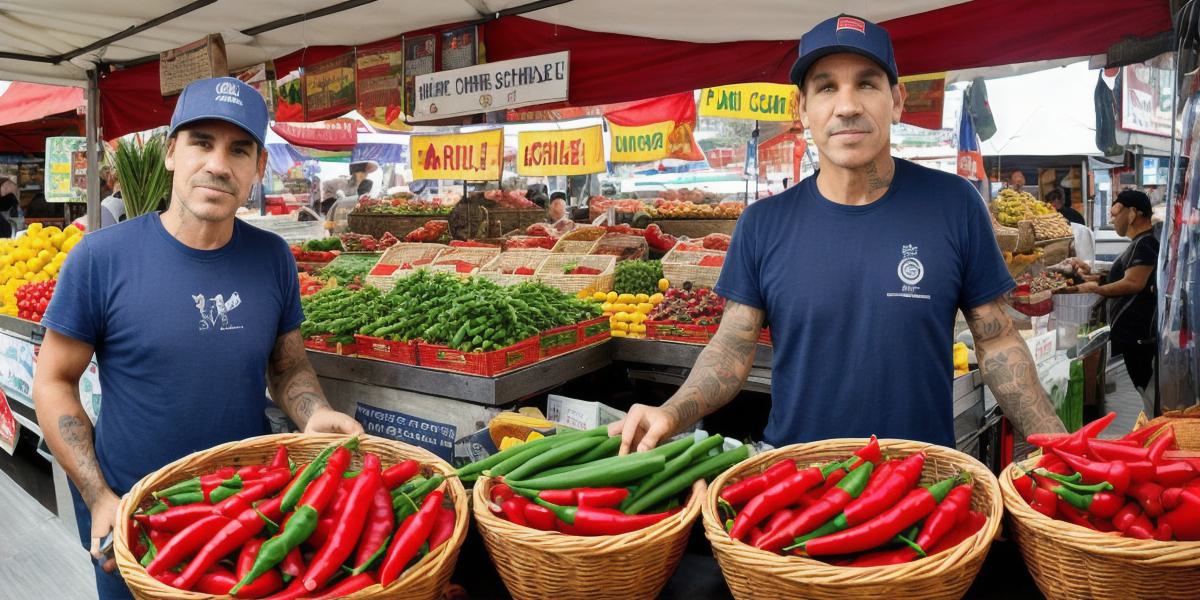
477, 156
493, 86
380, 73
419, 55
201, 59
329, 88
639, 144
759, 101
62, 180
570, 152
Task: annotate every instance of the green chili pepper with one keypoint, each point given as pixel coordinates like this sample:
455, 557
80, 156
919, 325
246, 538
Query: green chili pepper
675, 465
544, 460
408, 504
667, 451
682, 481
632, 468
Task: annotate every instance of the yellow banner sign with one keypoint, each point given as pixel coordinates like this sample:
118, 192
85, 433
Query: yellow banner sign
570, 152
477, 156
639, 144
761, 101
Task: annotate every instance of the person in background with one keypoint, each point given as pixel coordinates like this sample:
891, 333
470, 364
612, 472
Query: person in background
556, 215
1130, 289
9, 204
1016, 180
1055, 198
359, 184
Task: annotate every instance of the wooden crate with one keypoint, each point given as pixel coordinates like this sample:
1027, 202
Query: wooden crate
551, 273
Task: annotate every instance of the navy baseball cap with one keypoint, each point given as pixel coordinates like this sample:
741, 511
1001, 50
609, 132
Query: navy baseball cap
225, 98
845, 33
1136, 200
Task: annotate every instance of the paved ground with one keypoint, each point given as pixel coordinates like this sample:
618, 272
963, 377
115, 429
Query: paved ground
37, 554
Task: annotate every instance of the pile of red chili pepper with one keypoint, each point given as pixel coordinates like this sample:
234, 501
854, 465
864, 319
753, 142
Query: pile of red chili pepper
862, 511
1140, 486
283, 530
576, 484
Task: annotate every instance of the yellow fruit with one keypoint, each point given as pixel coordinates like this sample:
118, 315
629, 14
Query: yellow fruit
51, 269
21, 255
70, 243
73, 231
534, 435
621, 316
645, 308
34, 228
606, 307
663, 285
656, 299
612, 297
637, 328
626, 298
620, 326
35, 264
39, 276
509, 442
600, 297
642, 298
619, 333
46, 255
638, 317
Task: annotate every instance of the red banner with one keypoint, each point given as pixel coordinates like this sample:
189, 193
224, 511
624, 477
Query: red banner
679, 108
333, 135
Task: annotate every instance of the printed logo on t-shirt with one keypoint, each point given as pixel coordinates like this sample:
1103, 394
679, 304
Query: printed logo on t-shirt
214, 312
911, 271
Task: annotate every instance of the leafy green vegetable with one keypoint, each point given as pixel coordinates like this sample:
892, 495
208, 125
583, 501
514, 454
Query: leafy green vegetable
637, 277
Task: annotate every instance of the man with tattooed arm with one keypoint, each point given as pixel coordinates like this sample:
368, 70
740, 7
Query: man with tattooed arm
191, 314
859, 271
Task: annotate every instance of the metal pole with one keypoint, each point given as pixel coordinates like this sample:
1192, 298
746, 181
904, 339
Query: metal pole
92, 124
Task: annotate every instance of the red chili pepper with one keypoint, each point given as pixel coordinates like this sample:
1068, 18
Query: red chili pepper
1187, 456
756, 536
320, 535
133, 533
177, 518
380, 523
1025, 486
586, 520
1160, 445
1071, 514
293, 591
348, 586
186, 543
869, 453
560, 497
1116, 473
899, 482
1185, 518
268, 583
409, 538
1174, 474
340, 495
1141, 436
947, 514
607, 497
878, 530
1142, 528
160, 539
1101, 504
1045, 502
743, 491
514, 510
250, 473
501, 492
293, 563
1126, 516
778, 519
1105, 450
1149, 496
829, 506
777, 497
217, 581
228, 539
399, 473
348, 526
972, 523
1051, 462
280, 460
1171, 497
1074, 443
269, 483
1103, 525
443, 527
1164, 533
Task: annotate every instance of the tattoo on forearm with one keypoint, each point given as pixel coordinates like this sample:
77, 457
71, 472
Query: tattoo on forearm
78, 437
722, 367
294, 385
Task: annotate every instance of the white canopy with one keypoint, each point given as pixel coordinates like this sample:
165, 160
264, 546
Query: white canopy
1047, 113
71, 35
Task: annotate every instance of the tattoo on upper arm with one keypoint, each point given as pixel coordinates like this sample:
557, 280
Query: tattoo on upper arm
722, 367
78, 438
988, 321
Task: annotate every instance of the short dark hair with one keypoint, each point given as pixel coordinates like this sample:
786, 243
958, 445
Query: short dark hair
559, 195
1136, 200
1053, 195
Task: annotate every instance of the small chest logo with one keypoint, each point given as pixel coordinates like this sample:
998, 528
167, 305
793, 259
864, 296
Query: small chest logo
214, 312
911, 271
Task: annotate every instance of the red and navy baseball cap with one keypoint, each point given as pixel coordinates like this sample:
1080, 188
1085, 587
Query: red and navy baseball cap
845, 33
224, 98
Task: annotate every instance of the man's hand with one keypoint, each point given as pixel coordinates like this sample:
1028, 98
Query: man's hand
643, 428
104, 516
327, 420
1087, 287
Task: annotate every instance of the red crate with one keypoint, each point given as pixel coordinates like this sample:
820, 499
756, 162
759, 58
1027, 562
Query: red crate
378, 348
487, 364
594, 331
560, 340
764, 338
671, 331
320, 343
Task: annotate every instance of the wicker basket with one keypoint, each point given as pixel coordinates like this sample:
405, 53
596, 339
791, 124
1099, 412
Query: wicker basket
507, 261
1068, 561
682, 266
475, 256
574, 246
537, 565
387, 271
1186, 423
551, 273
427, 579
754, 573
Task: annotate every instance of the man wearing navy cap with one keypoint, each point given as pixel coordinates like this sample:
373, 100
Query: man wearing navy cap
859, 271
191, 314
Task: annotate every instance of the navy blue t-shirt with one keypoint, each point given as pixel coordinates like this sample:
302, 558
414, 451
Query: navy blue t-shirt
861, 302
182, 337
